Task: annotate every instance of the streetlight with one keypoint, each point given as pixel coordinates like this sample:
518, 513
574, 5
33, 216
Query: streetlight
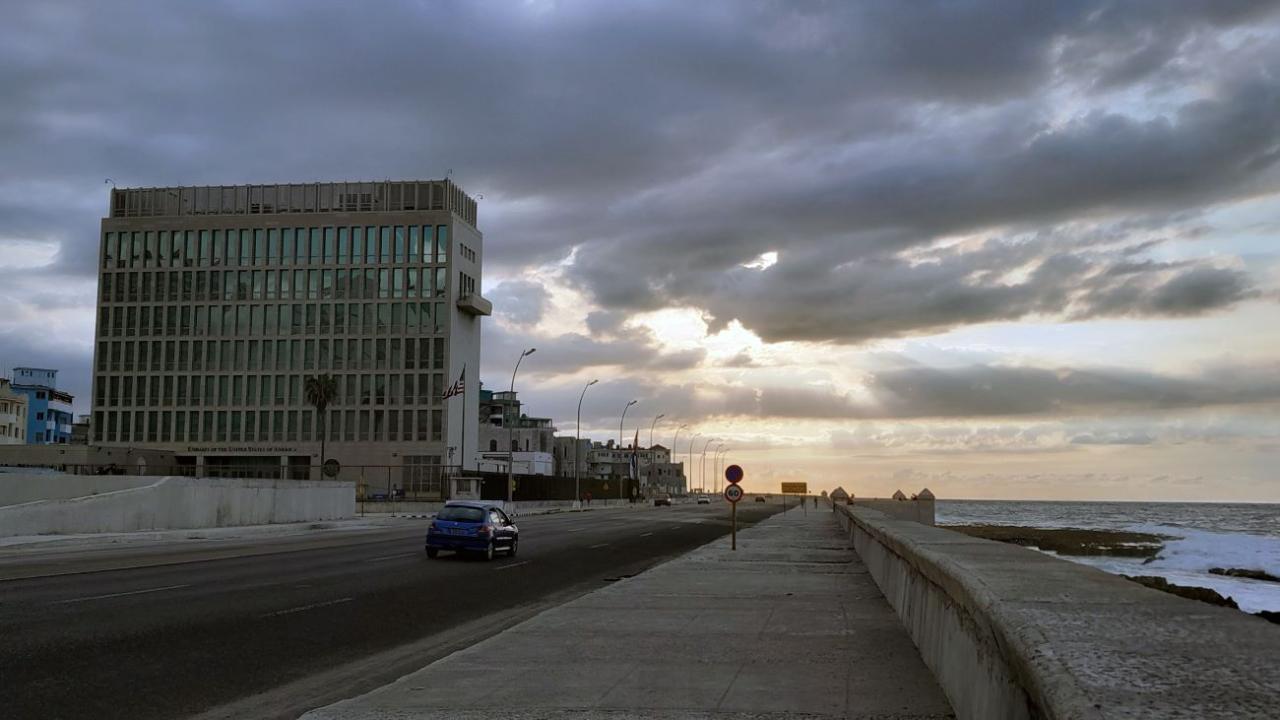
624, 419
511, 430
704, 462
622, 495
673, 446
695, 437
577, 486
715, 464
653, 460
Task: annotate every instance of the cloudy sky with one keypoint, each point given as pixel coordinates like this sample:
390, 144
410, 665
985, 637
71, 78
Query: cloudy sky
1001, 249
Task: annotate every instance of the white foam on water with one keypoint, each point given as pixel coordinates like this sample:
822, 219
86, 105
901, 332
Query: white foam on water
1186, 559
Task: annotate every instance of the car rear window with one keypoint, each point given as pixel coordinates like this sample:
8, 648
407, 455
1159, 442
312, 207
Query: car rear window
458, 513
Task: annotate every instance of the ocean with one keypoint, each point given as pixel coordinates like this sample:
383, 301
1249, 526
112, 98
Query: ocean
1206, 535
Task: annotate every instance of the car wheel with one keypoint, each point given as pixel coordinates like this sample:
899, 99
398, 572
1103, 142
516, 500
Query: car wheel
511, 551
432, 552
488, 551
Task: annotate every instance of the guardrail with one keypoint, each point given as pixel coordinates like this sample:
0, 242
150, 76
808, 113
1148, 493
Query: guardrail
1011, 633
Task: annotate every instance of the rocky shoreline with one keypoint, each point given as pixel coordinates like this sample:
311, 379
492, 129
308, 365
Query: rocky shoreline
1117, 543
1071, 541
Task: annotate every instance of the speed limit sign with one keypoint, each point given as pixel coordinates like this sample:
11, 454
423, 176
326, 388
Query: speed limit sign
733, 493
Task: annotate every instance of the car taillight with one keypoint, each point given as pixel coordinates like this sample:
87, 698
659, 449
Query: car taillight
483, 530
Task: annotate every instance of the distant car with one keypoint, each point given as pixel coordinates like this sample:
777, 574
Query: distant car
472, 526
704, 500
661, 500
759, 498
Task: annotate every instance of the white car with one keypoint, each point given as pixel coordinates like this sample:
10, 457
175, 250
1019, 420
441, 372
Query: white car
704, 500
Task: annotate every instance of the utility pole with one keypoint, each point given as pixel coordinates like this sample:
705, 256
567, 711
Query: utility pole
653, 459
511, 430
695, 437
704, 462
577, 442
673, 447
621, 485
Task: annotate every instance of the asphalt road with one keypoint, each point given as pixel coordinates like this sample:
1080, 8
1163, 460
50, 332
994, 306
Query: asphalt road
275, 626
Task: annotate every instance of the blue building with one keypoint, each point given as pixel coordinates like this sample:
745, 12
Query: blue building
49, 417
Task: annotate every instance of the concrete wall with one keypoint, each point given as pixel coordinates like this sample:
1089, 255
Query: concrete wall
514, 509
1014, 634
918, 510
17, 488
180, 502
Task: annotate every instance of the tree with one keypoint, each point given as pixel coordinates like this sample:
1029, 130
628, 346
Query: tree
320, 391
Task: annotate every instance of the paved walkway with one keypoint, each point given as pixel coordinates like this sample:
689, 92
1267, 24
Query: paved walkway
790, 625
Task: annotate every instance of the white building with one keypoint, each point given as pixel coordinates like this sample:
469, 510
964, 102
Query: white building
523, 463
13, 415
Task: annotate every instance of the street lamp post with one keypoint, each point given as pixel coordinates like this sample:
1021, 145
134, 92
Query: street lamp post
704, 462
695, 437
622, 495
673, 445
653, 460
577, 442
511, 430
715, 464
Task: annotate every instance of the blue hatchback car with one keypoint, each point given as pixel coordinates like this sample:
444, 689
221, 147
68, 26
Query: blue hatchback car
472, 526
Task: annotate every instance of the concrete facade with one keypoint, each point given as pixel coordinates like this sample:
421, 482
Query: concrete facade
87, 459
1014, 634
13, 415
216, 304
178, 502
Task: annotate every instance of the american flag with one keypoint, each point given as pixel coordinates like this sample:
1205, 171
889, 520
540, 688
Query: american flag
634, 469
457, 388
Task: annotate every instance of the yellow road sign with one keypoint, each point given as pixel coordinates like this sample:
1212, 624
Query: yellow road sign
795, 488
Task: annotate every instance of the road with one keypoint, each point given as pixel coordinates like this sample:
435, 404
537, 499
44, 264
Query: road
271, 627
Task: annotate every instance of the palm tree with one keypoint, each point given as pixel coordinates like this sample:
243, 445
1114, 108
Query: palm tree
320, 391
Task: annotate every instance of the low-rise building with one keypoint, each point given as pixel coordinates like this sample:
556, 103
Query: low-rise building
49, 417
504, 429
13, 415
524, 463
656, 471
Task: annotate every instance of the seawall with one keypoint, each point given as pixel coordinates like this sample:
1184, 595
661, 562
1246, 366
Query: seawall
1011, 633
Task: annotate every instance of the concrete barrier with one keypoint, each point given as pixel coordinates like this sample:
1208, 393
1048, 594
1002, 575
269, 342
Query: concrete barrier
18, 488
1013, 634
919, 510
172, 503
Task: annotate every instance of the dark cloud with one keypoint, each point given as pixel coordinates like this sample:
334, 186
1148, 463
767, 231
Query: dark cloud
995, 391
522, 302
634, 351
663, 145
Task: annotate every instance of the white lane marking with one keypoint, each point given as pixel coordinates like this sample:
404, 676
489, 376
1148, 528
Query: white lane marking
121, 594
393, 557
511, 565
593, 547
645, 534
312, 606
576, 530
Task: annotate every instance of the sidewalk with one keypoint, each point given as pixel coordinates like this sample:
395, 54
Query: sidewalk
790, 625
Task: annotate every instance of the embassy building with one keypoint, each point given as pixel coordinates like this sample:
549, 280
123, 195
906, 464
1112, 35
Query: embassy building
217, 303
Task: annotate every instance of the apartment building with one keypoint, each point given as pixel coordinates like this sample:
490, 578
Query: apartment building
13, 415
217, 303
49, 417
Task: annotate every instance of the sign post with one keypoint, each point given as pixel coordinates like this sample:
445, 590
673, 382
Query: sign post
733, 493
794, 488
